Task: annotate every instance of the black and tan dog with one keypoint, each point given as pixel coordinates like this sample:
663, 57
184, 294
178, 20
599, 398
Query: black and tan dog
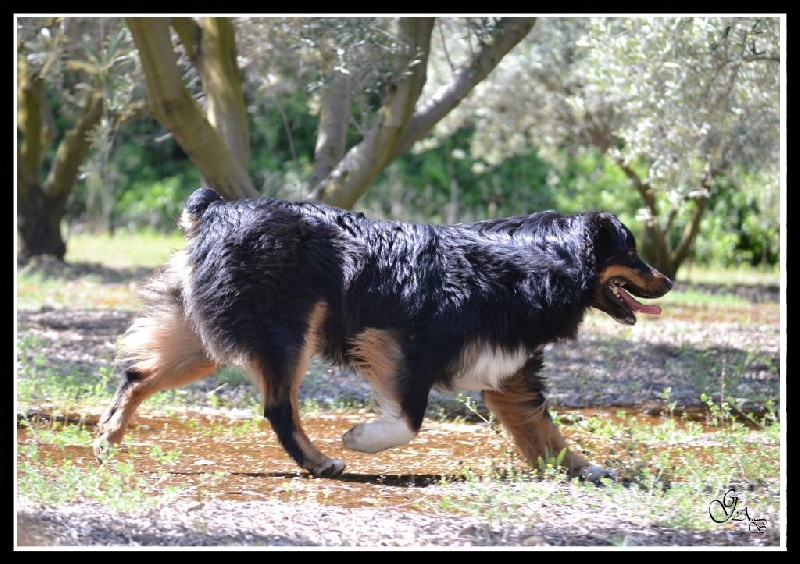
266, 284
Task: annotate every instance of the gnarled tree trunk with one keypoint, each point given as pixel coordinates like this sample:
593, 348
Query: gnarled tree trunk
40, 204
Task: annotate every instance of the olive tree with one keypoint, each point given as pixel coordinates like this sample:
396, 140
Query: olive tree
79, 72
396, 117
682, 105
370, 74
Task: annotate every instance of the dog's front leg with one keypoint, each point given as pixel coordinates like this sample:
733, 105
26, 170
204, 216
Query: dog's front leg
281, 410
521, 407
284, 419
377, 354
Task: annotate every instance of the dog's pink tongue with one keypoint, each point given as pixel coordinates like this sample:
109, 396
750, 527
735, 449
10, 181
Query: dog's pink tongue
651, 309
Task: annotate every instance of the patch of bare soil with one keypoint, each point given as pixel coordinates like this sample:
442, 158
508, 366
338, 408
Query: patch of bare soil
687, 351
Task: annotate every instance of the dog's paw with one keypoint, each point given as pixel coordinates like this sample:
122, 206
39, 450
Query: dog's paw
375, 436
594, 473
329, 469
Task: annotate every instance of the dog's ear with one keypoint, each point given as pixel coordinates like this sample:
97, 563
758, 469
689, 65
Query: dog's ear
196, 205
610, 236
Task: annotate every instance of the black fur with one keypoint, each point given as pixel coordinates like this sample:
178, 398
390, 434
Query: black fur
261, 263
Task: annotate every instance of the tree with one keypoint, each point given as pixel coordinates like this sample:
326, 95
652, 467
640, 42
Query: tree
681, 105
215, 139
686, 108
87, 63
74, 64
341, 175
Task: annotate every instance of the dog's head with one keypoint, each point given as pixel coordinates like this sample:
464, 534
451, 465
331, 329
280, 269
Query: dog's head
621, 273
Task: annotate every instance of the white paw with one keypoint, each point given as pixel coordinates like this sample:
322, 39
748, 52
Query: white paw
594, 473
378, 435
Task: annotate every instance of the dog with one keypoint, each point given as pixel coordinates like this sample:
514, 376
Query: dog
265, 284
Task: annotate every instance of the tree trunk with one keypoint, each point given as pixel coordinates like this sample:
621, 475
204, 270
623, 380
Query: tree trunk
222, 83
651, 245
177, 111
38, 224
332, 132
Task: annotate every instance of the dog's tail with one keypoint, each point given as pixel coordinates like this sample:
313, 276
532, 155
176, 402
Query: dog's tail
196, 205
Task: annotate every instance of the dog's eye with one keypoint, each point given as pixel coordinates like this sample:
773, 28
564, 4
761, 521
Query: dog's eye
631, 252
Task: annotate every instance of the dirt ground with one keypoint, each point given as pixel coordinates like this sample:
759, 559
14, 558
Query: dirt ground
606, 366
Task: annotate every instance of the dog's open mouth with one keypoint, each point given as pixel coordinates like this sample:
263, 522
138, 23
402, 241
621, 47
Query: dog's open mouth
617, 287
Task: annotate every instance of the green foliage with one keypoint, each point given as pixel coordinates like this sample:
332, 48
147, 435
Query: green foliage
445, 184
742, 225
590, 181
153, 205
282, 140
661, 92
147, 175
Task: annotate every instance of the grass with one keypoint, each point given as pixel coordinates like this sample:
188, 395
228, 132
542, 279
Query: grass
690, 272
674, 485
672, 472
116, 484
123, 250
35, 291
666, 484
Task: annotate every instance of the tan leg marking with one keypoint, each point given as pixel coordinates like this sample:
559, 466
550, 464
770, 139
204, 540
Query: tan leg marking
166, 354
534, 432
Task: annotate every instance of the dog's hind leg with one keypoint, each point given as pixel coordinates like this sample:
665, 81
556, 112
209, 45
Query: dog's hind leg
521, 407
278, 376
166, 354
376, 354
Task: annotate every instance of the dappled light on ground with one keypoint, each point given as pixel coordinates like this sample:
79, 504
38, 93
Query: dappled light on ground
226, 457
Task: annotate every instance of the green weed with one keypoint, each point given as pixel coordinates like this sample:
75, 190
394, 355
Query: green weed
114, 484
666, 482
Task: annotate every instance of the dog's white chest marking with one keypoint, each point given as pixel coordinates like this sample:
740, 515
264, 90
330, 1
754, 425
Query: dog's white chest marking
485, 368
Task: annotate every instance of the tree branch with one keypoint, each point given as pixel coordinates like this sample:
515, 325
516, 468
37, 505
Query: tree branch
510, 31
345, 184
400, 125
177, 111
72, 149
189, 33
644, 189
693, 227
